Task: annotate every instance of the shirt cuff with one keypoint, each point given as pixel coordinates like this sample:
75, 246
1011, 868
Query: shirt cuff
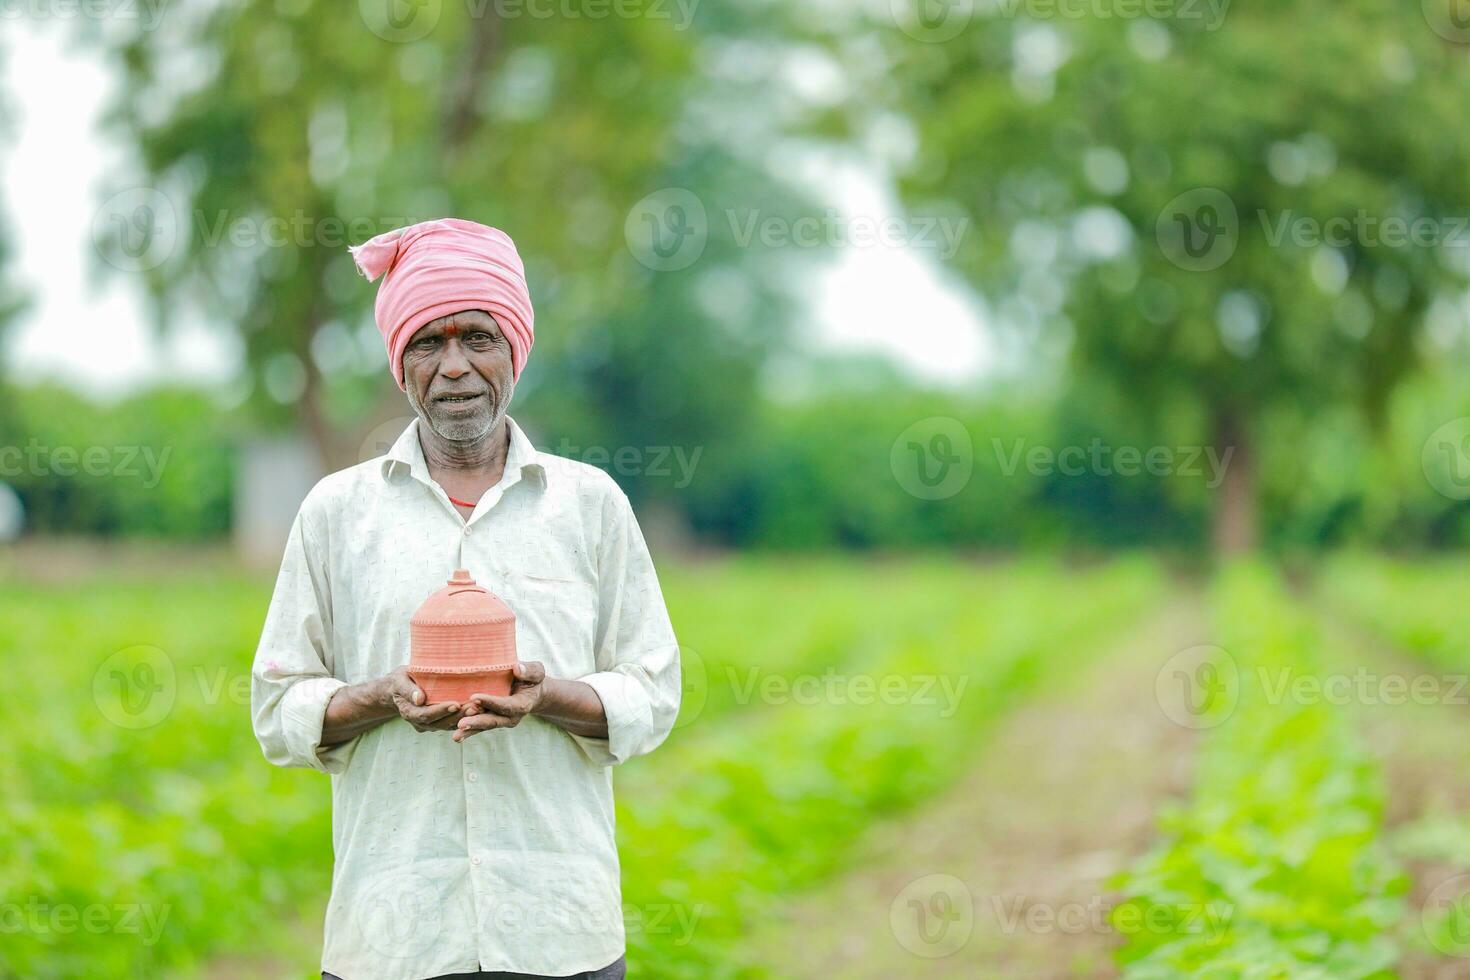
303, 712
628, 718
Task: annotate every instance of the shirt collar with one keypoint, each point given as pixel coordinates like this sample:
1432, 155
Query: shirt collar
407, 455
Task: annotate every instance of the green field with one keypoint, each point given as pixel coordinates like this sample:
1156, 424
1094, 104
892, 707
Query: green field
146, 836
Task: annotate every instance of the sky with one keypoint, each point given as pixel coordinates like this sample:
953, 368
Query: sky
55, 173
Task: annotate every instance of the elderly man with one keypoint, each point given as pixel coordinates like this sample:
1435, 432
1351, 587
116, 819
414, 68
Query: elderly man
470, 839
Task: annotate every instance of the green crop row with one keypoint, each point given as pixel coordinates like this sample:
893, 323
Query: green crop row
1274, 868
152, 812
1421, 607
729, 817
740, 626
138, 842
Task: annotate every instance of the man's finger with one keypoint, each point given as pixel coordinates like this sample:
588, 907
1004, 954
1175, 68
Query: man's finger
530, 671
404, 687
501, 704
441, 710
432, 713
481, 723
485, 722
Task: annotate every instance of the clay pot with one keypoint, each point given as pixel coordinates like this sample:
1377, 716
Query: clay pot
463, 642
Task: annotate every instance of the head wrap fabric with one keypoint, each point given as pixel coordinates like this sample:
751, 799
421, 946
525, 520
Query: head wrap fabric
445, 266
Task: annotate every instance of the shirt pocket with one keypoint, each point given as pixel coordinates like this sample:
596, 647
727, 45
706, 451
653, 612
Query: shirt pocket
556, 619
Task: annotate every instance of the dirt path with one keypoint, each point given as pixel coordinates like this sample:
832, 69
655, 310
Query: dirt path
1007, 875
1422, 742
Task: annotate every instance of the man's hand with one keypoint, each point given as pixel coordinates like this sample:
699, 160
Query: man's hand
572, 705
489, 711
408, 698
359, 708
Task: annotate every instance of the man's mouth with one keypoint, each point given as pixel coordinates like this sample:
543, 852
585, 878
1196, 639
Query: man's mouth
458, 399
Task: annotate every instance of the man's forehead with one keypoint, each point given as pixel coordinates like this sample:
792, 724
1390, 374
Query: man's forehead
453, 323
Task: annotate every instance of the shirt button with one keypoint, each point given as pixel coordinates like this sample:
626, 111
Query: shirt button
473, 776
475, 861
466, 530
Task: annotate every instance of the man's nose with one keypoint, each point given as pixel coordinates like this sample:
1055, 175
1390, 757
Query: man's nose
454, 364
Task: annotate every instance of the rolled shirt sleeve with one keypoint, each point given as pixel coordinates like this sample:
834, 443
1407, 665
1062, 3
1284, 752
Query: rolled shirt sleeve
291, 680
637, 655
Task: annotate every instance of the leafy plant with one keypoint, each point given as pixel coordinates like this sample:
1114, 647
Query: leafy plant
179, 819
1280, 844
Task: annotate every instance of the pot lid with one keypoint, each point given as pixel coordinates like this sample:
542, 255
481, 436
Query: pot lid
461, 602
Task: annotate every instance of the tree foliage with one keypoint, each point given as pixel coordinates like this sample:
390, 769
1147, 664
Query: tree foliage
317, 117
1226, 225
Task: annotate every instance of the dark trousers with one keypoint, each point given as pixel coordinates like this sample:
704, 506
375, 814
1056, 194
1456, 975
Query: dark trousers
616, 970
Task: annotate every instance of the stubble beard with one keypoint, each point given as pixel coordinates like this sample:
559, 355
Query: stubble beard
465, 428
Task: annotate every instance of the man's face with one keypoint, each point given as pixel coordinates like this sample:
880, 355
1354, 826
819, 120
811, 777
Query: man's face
459, 375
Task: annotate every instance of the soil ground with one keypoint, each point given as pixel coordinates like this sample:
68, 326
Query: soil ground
1006, 876
1422, 743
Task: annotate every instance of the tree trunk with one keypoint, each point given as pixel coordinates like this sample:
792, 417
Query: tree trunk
461, 114
1236, 519
323, 437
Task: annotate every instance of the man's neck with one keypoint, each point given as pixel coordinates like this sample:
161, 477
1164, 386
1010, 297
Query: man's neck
480, 462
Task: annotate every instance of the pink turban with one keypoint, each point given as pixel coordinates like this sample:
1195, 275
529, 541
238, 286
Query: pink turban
435, 268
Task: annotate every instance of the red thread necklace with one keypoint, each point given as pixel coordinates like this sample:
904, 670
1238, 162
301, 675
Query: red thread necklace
462, 503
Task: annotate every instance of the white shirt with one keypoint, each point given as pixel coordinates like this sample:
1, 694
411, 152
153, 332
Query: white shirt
496, 853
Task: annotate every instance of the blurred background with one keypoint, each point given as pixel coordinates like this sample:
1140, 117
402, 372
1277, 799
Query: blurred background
1050, 418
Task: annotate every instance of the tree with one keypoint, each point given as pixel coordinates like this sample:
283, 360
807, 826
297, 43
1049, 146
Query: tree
1220, 216
296, 121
